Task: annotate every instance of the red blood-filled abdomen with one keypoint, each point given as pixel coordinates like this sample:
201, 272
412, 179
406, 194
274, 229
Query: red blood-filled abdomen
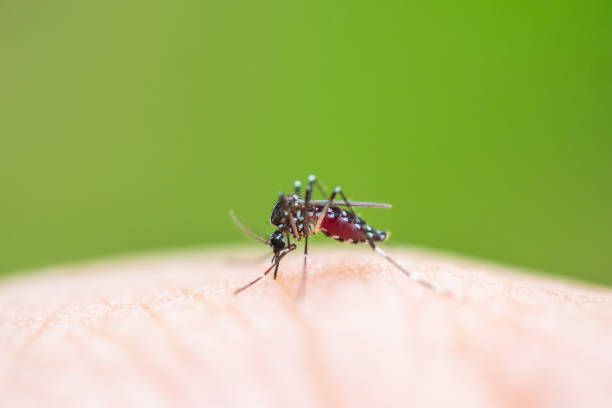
342, 230
344, 226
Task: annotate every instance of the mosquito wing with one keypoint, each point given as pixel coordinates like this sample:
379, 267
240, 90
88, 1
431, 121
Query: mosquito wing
360, 204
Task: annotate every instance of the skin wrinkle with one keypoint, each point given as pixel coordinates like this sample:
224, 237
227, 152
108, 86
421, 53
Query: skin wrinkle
496, 381
31, 388
506, 339
460, 350
501, 378
198, 364
15, 360
188, 357
254, 354
83, 316
37, 333
105, 373
165, 386
319, 374
259, 338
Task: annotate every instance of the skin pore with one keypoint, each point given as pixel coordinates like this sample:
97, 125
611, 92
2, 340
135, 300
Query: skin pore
165, 330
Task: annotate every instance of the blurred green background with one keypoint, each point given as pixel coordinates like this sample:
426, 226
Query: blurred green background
135, 125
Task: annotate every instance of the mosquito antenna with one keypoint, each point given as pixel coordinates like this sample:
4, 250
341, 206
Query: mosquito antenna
246, 230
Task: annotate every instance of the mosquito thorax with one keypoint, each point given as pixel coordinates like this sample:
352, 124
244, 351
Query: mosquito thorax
280, 217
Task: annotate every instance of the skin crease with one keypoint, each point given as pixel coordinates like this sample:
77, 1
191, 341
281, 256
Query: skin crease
165, 330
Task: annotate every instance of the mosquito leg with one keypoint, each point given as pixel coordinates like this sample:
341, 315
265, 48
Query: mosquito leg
324, 211
409, 274
369, 237
307, 205
306, 222
312, 180
289, 245
260, 277
288, 213
302, 289
424, 283
274, 265
337, 191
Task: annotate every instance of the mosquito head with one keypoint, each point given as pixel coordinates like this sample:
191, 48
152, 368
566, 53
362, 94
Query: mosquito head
277, 241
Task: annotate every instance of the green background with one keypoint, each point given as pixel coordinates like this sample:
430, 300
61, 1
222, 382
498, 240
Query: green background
135, 125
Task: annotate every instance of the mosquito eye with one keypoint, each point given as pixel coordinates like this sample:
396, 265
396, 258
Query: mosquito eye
277, 240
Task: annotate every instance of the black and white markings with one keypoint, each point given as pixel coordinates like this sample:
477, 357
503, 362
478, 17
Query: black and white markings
299, 217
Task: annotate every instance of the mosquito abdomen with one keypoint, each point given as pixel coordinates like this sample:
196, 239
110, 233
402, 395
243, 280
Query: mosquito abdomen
345, 227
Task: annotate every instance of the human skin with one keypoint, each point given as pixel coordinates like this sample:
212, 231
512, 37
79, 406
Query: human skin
166, 330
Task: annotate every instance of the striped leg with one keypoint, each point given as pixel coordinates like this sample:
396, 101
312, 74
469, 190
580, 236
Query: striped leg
337, 191
289, 246
248, 285
369, 236
277, 259
308, 197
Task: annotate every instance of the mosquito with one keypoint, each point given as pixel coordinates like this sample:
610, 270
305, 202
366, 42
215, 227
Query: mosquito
300, 217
